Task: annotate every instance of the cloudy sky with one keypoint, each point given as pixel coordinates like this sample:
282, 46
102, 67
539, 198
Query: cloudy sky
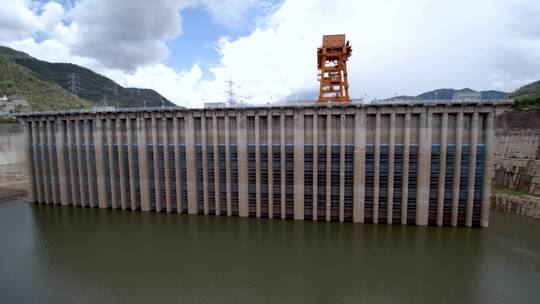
188, 50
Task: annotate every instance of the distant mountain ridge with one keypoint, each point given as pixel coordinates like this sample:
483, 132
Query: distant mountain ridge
91, 86
447, 94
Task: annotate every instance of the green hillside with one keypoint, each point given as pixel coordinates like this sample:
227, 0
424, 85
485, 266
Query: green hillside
41, 95
527, 97
90, 85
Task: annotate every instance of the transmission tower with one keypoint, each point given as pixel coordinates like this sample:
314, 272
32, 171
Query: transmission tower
74, 84
115, 93
230, 93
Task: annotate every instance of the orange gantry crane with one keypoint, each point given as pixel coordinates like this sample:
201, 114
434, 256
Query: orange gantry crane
332, 63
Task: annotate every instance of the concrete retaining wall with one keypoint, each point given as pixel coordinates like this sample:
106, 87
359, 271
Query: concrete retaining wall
520, 205
517, 151
11, 144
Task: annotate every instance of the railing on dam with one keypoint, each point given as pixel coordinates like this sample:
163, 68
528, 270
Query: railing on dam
427, 165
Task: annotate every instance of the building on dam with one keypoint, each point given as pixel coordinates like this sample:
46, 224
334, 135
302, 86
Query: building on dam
424, 164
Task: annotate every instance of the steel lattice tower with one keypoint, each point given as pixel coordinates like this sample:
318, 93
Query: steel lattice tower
332, 63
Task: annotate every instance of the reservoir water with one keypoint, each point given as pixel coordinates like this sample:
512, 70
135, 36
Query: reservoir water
61, 254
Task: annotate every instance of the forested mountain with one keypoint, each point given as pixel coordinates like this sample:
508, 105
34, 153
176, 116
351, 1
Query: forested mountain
89, 85
41, 95
528, 96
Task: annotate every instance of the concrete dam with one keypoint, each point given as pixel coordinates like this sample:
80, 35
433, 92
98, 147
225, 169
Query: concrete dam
429, 164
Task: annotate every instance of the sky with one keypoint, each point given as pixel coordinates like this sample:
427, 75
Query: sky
191, 50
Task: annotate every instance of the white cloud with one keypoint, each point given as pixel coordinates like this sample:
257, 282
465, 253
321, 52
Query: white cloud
52, 50
52, 14
19, 19
238, 13
401, 47
398, 47
125, 35
186, 88
118, 34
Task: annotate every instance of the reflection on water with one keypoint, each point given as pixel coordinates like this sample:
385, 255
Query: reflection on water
65, 254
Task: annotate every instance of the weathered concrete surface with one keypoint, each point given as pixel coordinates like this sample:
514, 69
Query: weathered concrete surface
11, 144
517, 162
13, 181
517, 204
518, 174
517, 151
13, 169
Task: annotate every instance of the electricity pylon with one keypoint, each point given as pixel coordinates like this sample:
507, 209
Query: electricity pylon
74, 84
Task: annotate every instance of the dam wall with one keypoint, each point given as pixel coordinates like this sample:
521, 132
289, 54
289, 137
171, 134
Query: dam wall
395, 164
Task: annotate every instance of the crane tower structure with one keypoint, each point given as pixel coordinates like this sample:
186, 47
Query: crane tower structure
332, 59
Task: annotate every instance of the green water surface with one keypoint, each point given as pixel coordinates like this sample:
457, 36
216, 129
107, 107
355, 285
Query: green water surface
62, 254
